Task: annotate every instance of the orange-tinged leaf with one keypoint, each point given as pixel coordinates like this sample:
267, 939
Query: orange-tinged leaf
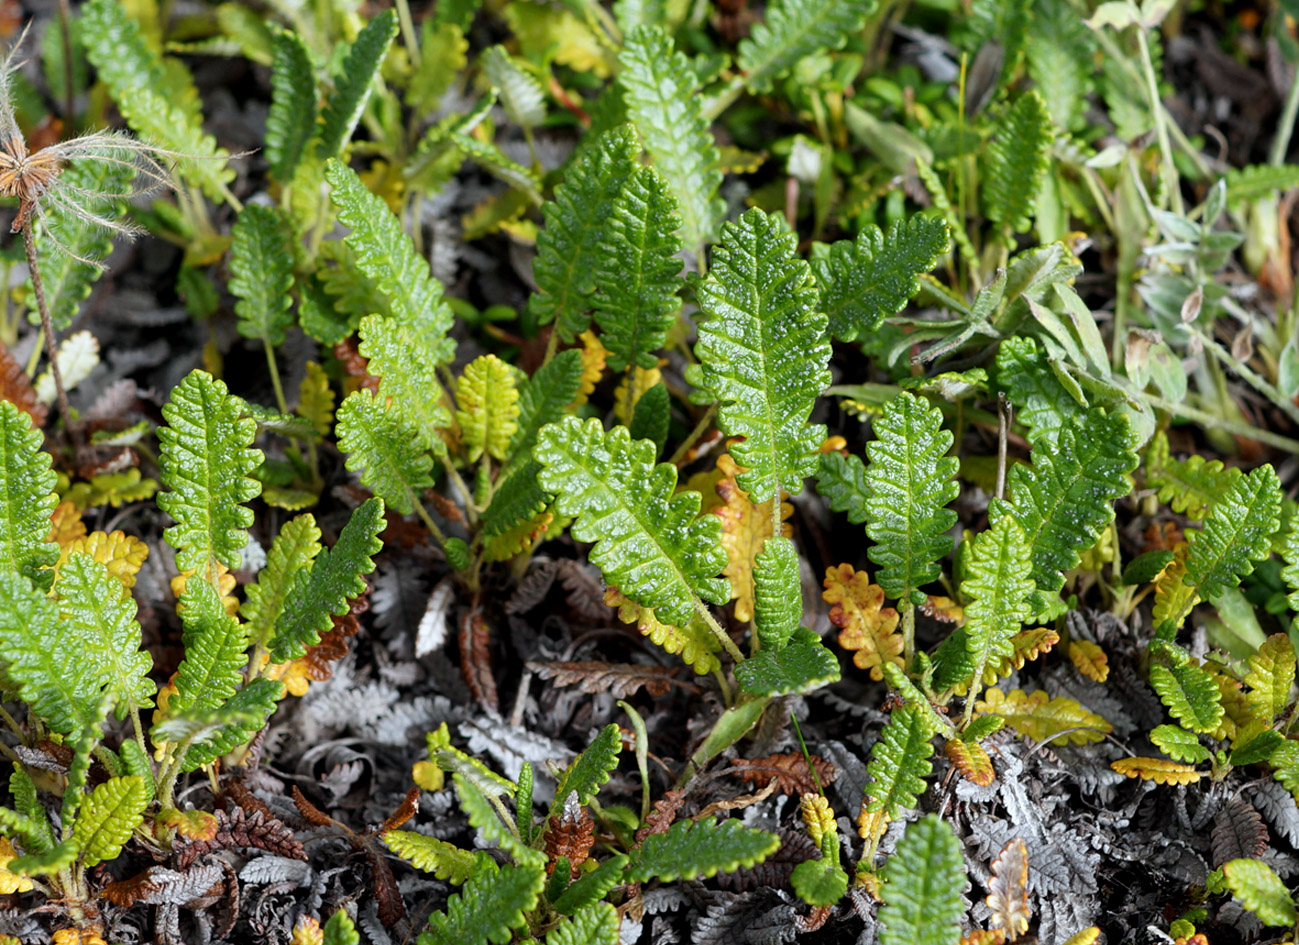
745, 527
1026, 645
871, 824
193, 824
695, 642
867, 626
1008, 889
225, 586
77, 937
834, 444
307, 932
1039, 717
122, 554
1172, 596
984, 937
1159, 770
631, 388
594, 358
1090, 660
971, 760
818, 816
944, 609
66, 524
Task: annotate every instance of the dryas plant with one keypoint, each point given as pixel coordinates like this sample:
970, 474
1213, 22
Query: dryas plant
72, 646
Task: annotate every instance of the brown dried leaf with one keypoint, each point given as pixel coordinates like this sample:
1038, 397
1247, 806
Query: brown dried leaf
662, 815
944, 609
475, 641
161, 886
971, 760
405, 811
816, 917
390, 906
348, 352
16, 388
789, 771
621, 680
569, 833
534, 587
868, 627
310, 812
241, 829
583, 591
1238, 833
1008, 889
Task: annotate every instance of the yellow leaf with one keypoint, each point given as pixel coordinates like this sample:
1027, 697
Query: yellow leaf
984, 937
316, 399
867, 626
123, 555
559, 35
1159, 770
871, 824
818, 816
633, 386
11, 883
77, 937
1008, 889
1085, 937
428, 775
1238, 716
695, 642
1039, 717
307, 932
1026, 645
1172, 596
594, 358
1100, 553
517, 539
66, 524
971, 760
1090, 660
745, 527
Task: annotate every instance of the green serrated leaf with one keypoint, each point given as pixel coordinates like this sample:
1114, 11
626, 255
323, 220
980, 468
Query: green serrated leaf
590, 769
638, 272
923, 880
591, 887
778, 595
996, 590
802, 666
484, 818
1059, 54
650, 543
793, 29
387, 257
96, 614
325, 590
1245, 184
1258, 749
385, 449
543, 400
340, 930
405, 361
699, 848
652, 417
488, 906
39, 660
1260, 891
205, 734
909, 483
1189, 486
1179, 744
489, 407
261, 274
442, 55
352, 85
495, 162
1042, 402
865, 281
445, 861
46, 863
206, 462
294, 550
1016, 162
819, 882
596, 924
1191, 695
516, 503
763, 352
841, 480
216, 647
570, 245
292, 118
662, 96
1237, 532
107, 818
137, 79
27, 498
1065, 499
900, 763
